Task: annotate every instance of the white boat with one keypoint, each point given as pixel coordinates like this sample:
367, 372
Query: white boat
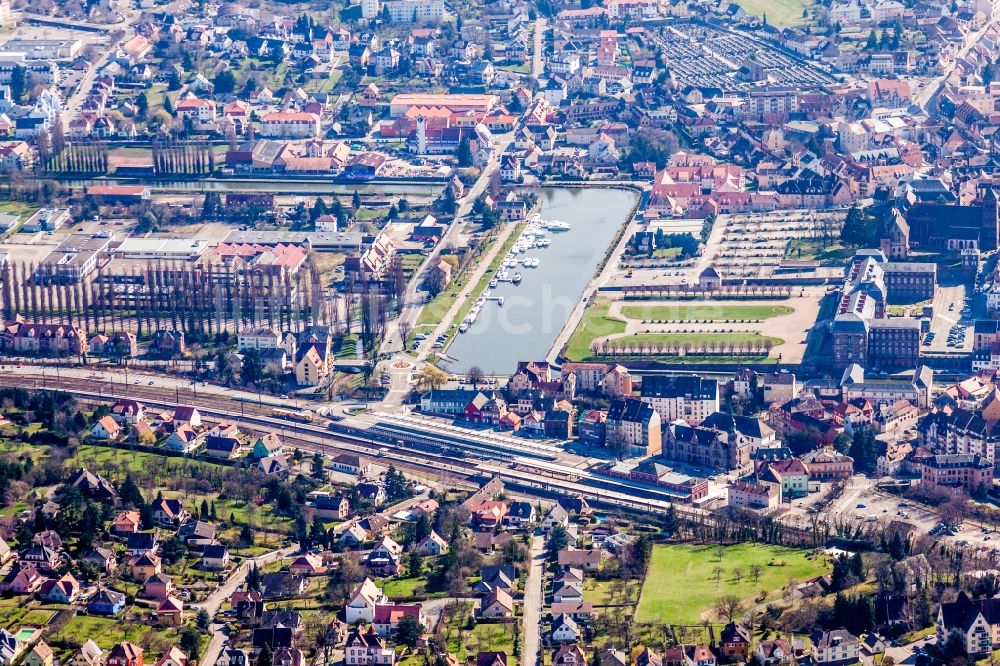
472, 317
500, 300
544, 242
517, 278
502, 275
463, 327
556, 225
493, 283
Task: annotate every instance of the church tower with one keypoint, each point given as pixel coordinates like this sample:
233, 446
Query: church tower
989, 236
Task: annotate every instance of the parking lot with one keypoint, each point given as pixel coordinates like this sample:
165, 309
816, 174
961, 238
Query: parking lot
952, 322
862, 502
753, 245
706, 56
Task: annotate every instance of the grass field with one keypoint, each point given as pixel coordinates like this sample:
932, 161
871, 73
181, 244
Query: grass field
695, 339
402, 588
702, 312
681, 585
781, 13
113, 463
106, 631
595, 324
806, 249
19, 208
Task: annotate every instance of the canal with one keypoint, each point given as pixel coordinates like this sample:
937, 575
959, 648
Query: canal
534, 311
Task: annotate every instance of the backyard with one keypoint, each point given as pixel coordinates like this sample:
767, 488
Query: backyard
682, 588
106, 631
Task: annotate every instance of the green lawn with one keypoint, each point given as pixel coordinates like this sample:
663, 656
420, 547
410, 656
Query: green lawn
681, 585
595, 324
610, 592
19, 208
695, 339
702, 312
805, 249
401, 588
666, 253
484, 638
113, 463
781, 13
107, 631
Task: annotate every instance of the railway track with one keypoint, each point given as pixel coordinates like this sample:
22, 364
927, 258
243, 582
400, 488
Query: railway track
530, 477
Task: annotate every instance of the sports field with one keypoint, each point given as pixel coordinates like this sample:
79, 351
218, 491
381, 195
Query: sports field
703, 312
681, 585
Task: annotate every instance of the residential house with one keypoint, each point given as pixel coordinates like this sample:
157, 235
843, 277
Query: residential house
197, 534
588, 560
11, 647
125, 523
106, 428
62, 590
564, 630
89, 654
835, 648
497, 604
364, 647
170, 612
433, 545
22, 579
159, 586
124, 654
168, 512
144, 566
735, 642
106, 602
173, 657
40, 655
978, 620
215, 558
361, 605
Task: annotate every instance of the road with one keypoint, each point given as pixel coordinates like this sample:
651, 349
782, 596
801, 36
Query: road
233, 583
926, 96
393, 346
413, 299
73, 103
532, 617
537, 53
224, 591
